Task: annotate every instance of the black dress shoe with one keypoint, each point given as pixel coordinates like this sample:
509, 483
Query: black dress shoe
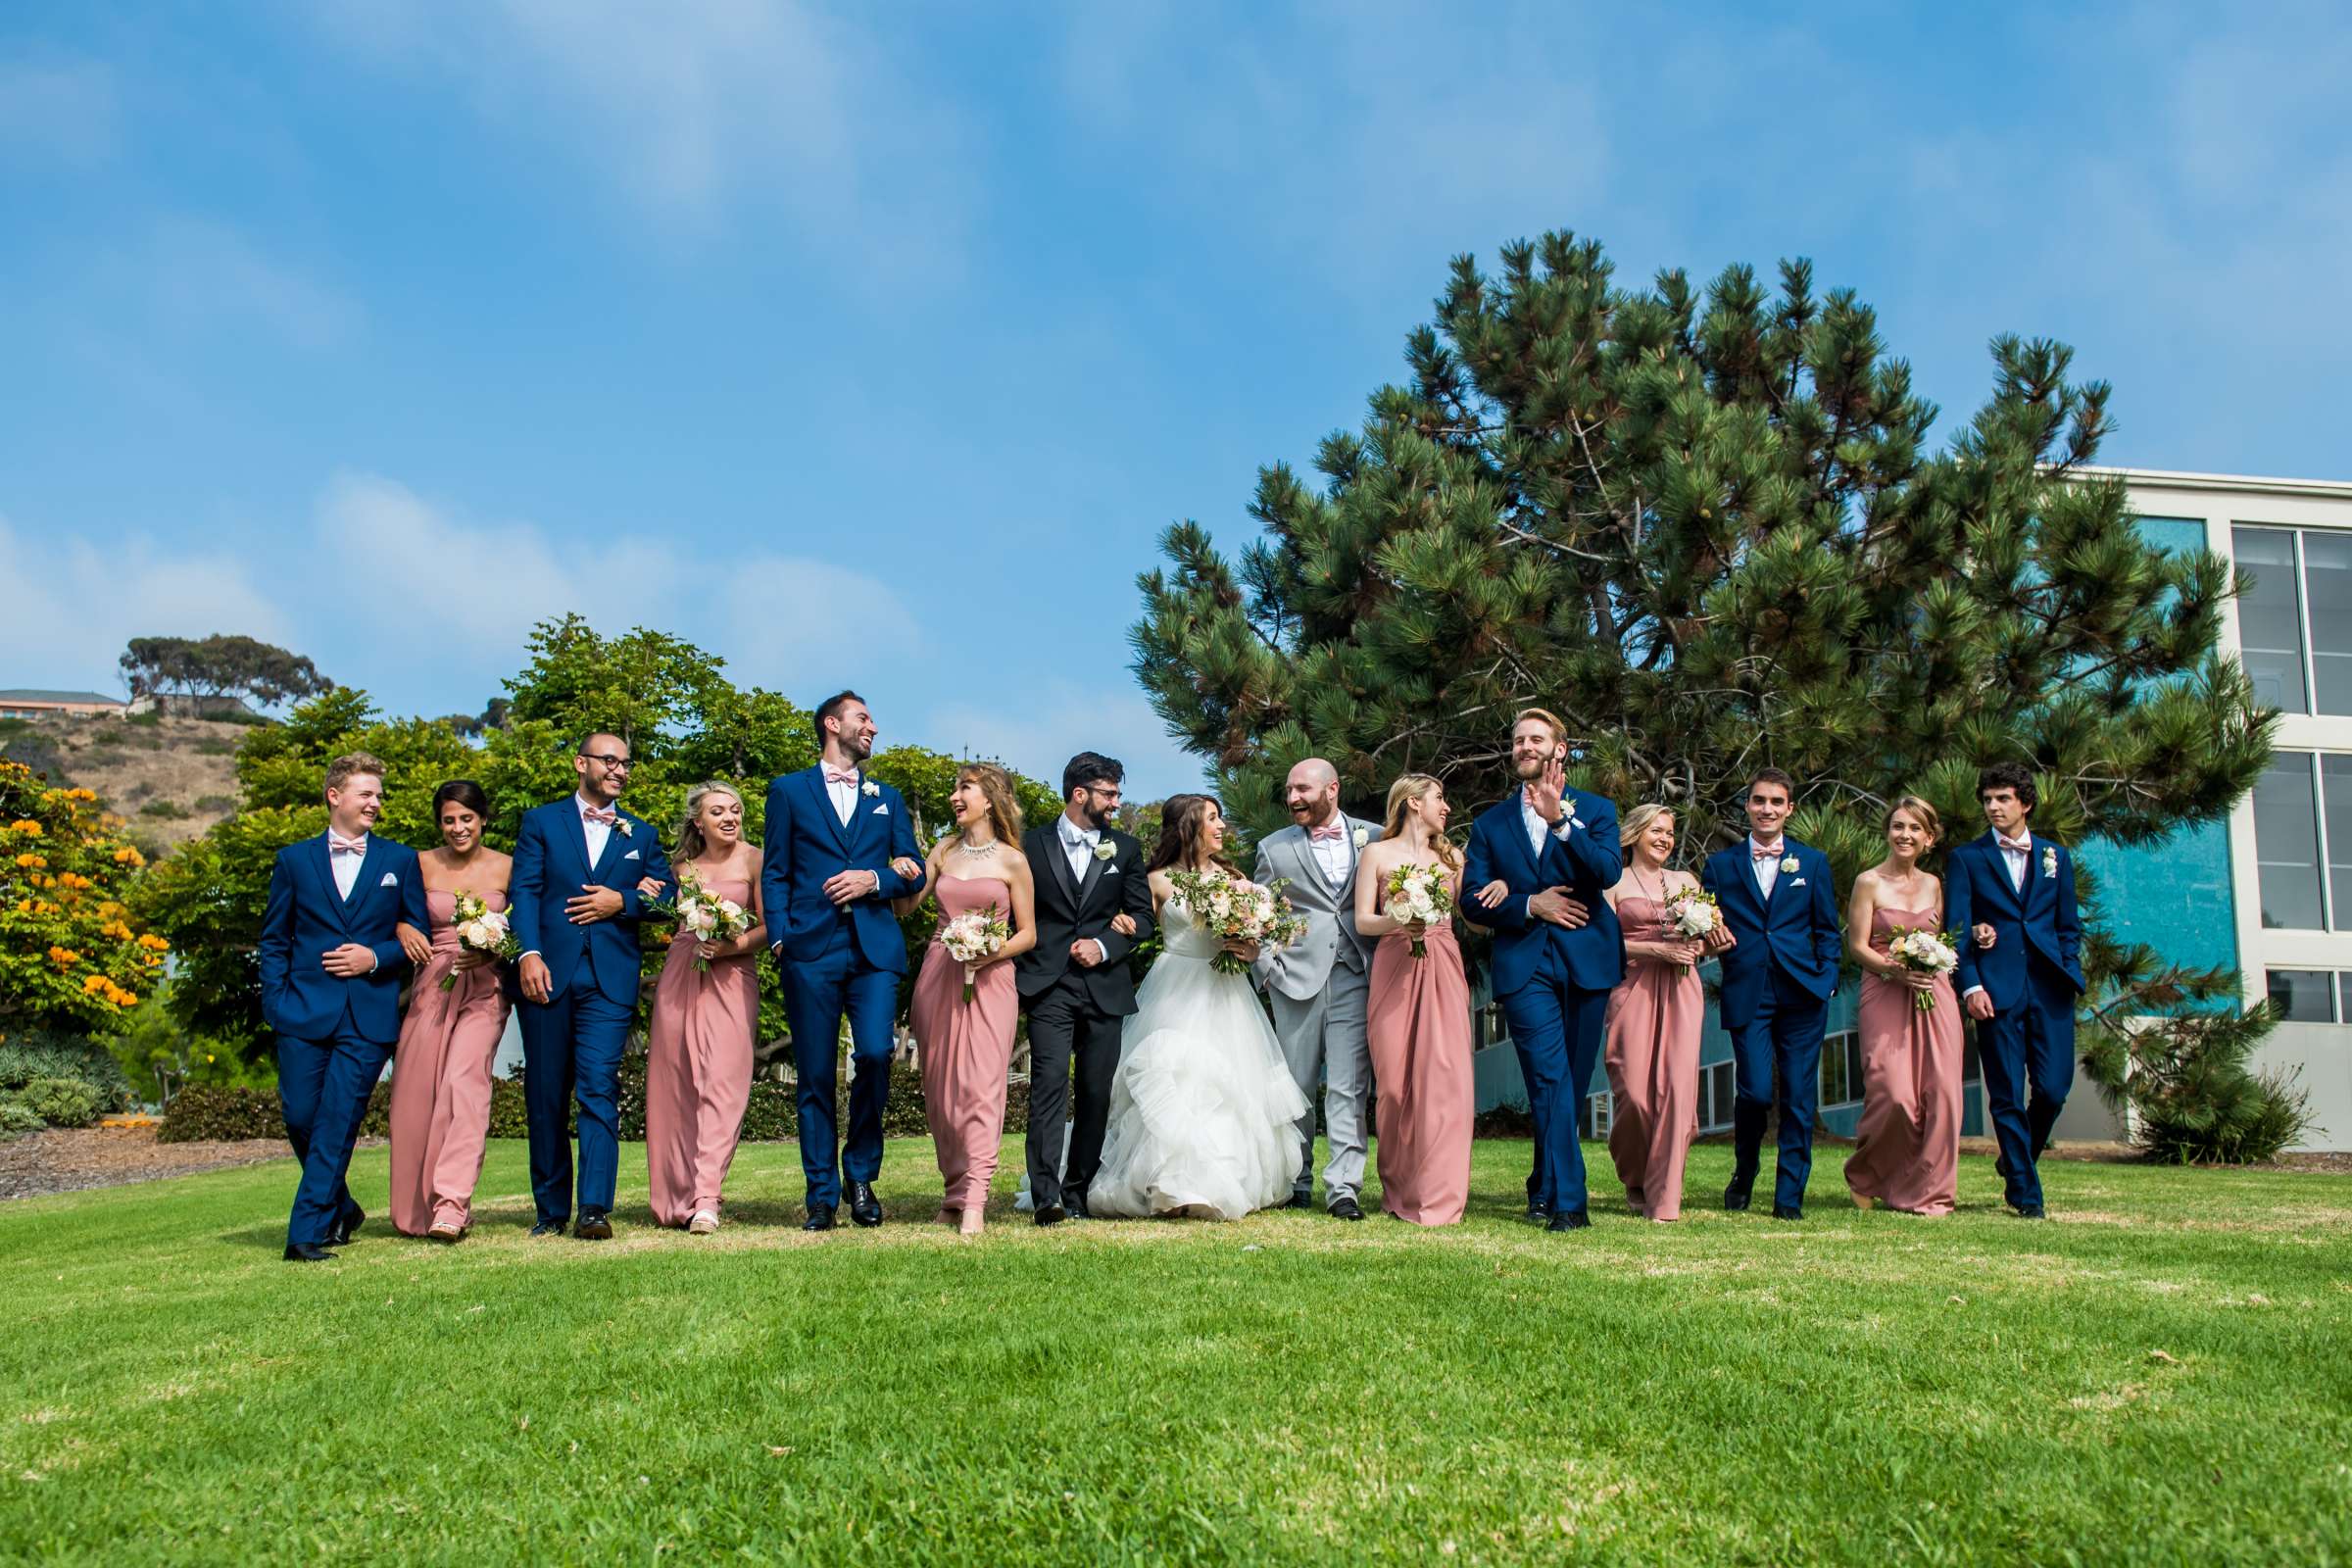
1075, 1205
305, 1252
1051, 1215
551, 1227
1537, 1212
1787, 1211
2028, 1211
345, 1227
1345, 1207
1300, 1201
595, 1226
1736, 1198
1570, 1219
864, 1207
821, 1217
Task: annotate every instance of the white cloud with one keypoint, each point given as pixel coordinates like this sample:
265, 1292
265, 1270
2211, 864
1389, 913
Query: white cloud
58, 111
692, 110
479, 587
73, 604
1037, 729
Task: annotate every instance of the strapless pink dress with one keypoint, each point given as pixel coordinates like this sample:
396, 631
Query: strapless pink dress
698, 1072
1651, 1056
966, 1049
1907, 1148
441, 1081
1417, 1032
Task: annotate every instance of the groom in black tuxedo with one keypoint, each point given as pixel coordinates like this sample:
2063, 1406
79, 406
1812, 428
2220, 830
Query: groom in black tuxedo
1074, 983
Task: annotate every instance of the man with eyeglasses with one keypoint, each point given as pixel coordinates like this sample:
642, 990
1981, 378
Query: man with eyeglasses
575, 902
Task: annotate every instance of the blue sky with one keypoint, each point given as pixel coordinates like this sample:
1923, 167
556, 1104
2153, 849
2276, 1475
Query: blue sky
874, 345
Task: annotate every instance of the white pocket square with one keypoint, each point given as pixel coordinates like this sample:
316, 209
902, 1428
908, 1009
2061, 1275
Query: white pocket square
1799, 883
631, 855
1110, 870
882, 810
390, 880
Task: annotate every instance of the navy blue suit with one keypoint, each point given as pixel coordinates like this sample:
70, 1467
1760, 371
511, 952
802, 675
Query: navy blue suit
1554, 984
572, 1042
2033, 972
835, 959
332, 1034
1778, 979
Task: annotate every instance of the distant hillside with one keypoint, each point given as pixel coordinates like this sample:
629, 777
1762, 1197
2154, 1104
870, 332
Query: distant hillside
169, 778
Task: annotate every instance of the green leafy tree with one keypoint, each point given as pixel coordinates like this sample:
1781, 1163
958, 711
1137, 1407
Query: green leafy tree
219, 666
72, 953
1707, 528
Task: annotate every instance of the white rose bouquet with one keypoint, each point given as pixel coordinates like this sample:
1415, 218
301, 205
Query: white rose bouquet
483, 930
1235, 909
703, 916
973, 937
1419, 894
1692, 914
1923, 952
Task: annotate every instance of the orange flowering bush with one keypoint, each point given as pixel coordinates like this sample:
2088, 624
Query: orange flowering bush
71, 955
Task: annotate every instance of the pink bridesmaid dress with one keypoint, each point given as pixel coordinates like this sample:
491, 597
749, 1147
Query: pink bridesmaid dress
1907, 1148
698, 1071
1651, 1054
966, 1049
441, 1081
1417, 1027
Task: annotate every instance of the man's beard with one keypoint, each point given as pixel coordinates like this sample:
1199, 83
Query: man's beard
1098, 816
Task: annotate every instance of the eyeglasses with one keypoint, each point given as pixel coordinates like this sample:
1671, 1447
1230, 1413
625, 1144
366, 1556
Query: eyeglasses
609, 759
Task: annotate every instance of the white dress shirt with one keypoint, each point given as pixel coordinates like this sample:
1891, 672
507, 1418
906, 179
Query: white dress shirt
843, 796
1537, 828
346, 867
2019, 853
599, 834
1078, 844
1768, 871
1335, 858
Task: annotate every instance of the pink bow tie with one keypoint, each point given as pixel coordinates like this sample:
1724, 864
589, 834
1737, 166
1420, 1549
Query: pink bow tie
835, 775
343, 845
592, 815
2015, 846
1763, 854
1330, 830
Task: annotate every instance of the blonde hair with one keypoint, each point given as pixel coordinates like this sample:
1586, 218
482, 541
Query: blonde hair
691, 841
1003, 811
1919, 808
1545, 716
1636, 821
1408, 788
343, 769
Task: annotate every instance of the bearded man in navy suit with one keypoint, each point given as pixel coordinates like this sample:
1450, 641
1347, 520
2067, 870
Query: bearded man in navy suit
575, 902
331, 964
838, 848
2009, 901
1780, 947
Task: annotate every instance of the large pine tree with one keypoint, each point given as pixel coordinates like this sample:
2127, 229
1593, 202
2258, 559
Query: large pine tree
1711, 532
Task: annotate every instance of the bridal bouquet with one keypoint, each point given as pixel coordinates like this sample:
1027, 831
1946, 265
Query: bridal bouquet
1419, 893
1234, 908
1923, 952
703, 916
483, 930
1692, 914
973, 937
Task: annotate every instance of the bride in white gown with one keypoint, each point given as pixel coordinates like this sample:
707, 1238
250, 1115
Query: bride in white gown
1202, 1108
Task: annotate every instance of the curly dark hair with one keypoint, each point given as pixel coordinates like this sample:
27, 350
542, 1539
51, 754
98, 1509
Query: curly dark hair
1182, 819
2009, 776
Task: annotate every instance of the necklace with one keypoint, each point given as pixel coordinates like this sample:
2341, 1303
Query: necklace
978, 852
1659, 897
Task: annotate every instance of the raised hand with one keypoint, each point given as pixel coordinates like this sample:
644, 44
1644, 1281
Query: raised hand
1546, 793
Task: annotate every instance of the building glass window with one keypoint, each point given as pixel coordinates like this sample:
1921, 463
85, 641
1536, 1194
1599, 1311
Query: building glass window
2270, 616
1842, 1068
2287, 844
2327, 609
2302, 996
1716, 1091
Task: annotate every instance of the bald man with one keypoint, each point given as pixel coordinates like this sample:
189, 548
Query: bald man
1319, 984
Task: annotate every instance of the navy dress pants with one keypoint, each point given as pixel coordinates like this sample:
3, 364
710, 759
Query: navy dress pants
1556, 1029
1782, 1036
322, 1087
817, 995
572, 1050
2030, 1047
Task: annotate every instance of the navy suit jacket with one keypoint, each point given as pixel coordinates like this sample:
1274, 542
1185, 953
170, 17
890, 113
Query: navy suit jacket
1588, 865
551, 861
2038, 925
1795, 931
306, 917
807, 844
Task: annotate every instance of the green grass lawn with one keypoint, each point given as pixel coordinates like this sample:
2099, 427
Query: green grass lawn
2162, 1373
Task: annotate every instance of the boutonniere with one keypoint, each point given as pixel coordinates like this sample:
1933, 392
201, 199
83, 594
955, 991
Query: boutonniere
1105, 848
622, 824
1787, 862
2049, 862
871, 788
1363, 836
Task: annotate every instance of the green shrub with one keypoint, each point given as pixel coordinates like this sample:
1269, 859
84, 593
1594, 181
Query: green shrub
163, 810
2192, 1097
206, 1112
16, 1117
61, 1101
28, 1055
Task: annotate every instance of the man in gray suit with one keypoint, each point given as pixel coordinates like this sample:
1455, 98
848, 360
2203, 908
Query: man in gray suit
1319, 983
